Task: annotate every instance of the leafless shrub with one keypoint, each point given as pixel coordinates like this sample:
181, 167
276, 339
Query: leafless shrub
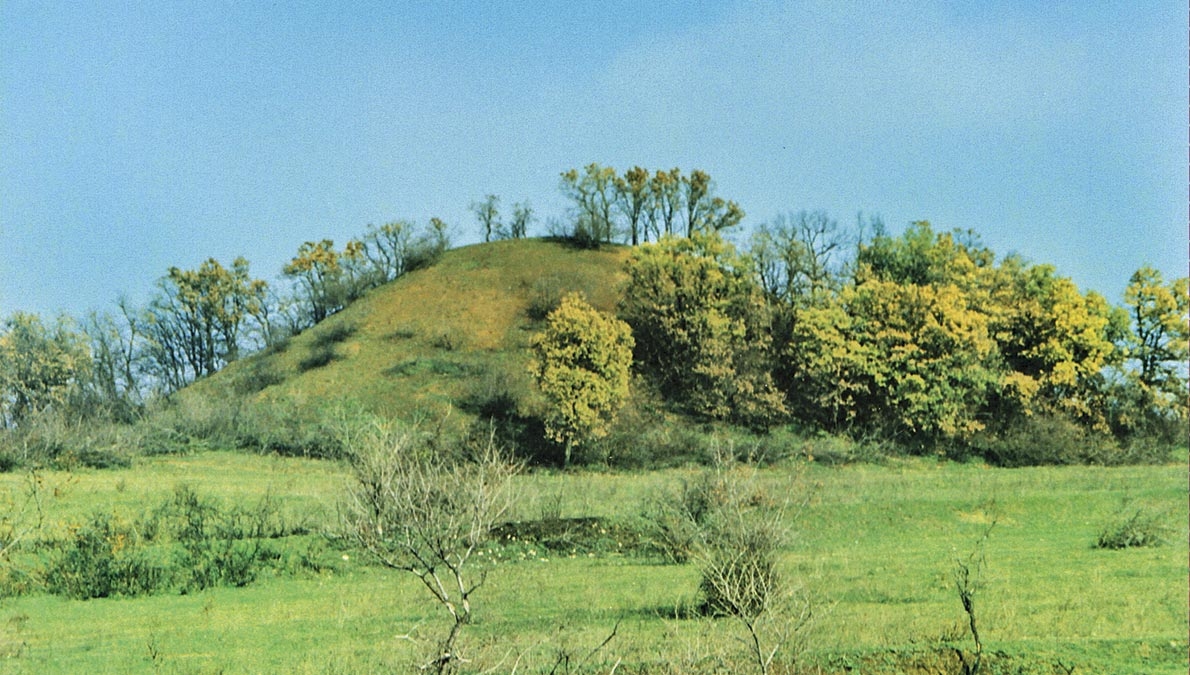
733, 528
968, 573
417, 510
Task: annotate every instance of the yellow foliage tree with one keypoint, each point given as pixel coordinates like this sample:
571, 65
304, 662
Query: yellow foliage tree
1054, 342
39, 365
701, 326
582, 362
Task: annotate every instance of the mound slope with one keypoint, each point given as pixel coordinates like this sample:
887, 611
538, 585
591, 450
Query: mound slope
434, 340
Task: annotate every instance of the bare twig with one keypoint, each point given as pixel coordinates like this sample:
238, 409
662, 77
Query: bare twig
418, 511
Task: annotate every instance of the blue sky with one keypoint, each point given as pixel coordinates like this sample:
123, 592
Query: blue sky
135, 136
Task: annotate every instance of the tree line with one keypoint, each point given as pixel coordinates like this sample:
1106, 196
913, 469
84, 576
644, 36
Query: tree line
924, 339
196, 321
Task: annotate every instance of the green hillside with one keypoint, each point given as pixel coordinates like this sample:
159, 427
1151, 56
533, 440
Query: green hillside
436, 338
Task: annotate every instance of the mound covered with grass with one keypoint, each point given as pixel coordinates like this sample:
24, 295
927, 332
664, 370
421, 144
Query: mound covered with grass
452, 338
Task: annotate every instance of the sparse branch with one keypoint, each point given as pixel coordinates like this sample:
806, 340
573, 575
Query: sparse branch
967, 576
414, 510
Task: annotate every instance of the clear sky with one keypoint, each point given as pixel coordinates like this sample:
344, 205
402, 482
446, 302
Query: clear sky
135, 136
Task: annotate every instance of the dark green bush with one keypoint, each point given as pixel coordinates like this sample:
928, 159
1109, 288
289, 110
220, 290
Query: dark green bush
330, 334
288, 428
319, 356
1045, 440
188, 422
257, 376
544, 297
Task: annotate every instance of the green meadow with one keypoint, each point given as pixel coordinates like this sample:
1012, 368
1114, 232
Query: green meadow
874, 548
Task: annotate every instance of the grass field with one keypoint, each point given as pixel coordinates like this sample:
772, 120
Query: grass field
875, 545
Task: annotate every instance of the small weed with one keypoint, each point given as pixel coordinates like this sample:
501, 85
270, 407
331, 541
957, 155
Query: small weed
1134, 528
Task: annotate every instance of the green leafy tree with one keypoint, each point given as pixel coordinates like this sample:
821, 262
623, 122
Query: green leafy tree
1160, 339
582, 362
40, 365
904, 350
1054, 343
1149, 400
910, 361
701, 328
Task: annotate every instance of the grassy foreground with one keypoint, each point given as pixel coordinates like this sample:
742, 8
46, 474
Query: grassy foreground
876, 547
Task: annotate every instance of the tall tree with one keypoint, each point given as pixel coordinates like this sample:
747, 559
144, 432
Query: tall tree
665, 187
704, 211
487, 212
593, 192
634, 198
116, 370
199, 320
317, 271
40, 364
522, 217
797, 256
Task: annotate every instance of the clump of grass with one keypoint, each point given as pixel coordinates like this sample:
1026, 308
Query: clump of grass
334, 334
449, 340
1136, 528
319, 357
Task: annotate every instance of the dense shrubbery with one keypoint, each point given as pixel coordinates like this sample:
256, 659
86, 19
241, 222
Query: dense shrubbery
925, 342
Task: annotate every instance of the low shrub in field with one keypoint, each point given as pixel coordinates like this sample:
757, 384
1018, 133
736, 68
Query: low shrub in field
1138, 527
102, 558
188, 422
287, 428
732, 528
58, 441
566, 536
188, 543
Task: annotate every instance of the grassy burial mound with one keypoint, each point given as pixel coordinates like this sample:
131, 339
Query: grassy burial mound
443, 345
